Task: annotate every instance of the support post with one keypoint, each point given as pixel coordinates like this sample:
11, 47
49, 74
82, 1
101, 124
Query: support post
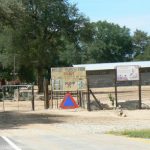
88, 96
33, 108
46, 102
80, 99
116, 96
18, 96
140, 99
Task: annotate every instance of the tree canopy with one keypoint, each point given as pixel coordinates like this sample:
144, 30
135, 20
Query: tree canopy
111, 43
41, 34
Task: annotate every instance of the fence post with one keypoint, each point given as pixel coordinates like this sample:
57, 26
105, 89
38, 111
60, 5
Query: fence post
18, 96
33, 98
116, 92
80, 99
46, 102
140, 97
88, 96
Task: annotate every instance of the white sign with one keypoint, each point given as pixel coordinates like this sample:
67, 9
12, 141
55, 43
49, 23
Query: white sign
127, 73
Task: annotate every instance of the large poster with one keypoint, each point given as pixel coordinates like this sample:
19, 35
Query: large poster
127, 73
68, 78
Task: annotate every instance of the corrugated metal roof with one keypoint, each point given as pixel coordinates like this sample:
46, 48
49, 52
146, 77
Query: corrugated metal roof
109, 66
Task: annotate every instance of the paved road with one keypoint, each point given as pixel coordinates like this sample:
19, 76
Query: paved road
6, 144
61, 141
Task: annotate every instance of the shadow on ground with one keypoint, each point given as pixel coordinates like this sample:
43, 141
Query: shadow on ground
12, 119
133, 105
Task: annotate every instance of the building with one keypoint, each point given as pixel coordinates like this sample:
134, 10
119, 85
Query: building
103, 74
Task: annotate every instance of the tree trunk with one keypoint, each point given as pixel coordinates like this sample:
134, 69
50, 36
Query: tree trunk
40, 80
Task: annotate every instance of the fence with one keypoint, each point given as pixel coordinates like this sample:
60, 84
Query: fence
17, 97
127, 92
103, 97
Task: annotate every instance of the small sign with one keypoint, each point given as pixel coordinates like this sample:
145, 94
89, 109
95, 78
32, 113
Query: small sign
127, 73
68, 102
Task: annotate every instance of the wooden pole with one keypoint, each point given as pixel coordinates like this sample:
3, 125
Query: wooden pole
46, 102
18, 96
98, 103
116, 96
140, 99
83, 98
51, 100
88, 96
57, 94
33, 108
80, 99
3, 101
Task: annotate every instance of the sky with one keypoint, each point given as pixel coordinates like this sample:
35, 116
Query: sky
134, 14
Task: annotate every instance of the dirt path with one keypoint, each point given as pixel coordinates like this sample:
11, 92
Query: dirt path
74, 120
73, 129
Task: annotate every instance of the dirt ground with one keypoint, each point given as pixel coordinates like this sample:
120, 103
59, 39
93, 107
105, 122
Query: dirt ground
17, 117
45, 129
75, 121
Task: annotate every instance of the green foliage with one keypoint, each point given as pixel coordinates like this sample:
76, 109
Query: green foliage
145, 133
26, 74
41, 31
49, 33
111, 43
141, 45
111, 98
140, 41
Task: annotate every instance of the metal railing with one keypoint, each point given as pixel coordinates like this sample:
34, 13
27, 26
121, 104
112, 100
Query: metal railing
17, 93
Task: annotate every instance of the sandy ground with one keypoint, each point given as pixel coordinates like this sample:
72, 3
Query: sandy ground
60, 129
75, 121
17, 117
73, 129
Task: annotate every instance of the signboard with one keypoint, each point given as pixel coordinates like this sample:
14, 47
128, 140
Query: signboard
68, 78
127, 73
68, 102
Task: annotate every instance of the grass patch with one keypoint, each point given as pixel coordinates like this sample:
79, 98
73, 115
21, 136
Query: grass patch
145, 133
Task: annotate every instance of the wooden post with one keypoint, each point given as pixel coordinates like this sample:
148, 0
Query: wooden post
80, 99
51, 99
83, 99
3, 100
116, 96
88, 96
57, 94
18, 96
96, 100
77, 95
33, 98
140, 99
46, 102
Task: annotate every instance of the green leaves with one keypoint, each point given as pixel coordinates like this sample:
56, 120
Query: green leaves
140, 42
45, 33
111, 43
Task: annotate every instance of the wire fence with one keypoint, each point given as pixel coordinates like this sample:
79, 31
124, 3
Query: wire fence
19, 98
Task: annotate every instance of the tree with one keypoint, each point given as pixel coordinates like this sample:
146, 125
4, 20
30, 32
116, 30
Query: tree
41, 31
140, 42
76, 52
111, 43
10, 10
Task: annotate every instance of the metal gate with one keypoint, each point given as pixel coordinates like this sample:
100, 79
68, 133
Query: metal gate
20, 98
